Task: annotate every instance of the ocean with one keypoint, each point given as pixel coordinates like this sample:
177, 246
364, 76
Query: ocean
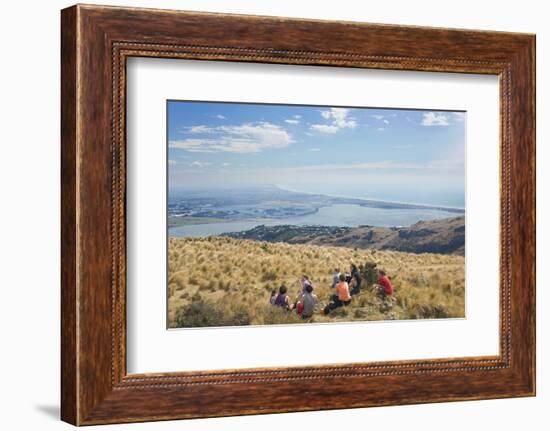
403, 194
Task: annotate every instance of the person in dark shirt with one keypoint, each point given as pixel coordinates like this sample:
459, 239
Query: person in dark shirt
282, 299
355, 282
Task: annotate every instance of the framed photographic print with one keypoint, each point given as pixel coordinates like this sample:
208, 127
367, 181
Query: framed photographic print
229, 200
264, 215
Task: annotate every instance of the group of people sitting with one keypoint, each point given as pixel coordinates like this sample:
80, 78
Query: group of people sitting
346, 286
305, 302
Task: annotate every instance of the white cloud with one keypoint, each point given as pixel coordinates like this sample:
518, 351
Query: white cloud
324, 128
199, 129
220, 117
434, 119
445, 165
459, 116
297, 116
172, 162
383, 118
198, 164
338, 118
225, 164
245, 138
292, 121
315, 149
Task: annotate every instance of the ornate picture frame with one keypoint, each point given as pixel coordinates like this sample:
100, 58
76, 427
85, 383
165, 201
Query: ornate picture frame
96, 41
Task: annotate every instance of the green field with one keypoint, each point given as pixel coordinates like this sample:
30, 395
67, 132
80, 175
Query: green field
187, 221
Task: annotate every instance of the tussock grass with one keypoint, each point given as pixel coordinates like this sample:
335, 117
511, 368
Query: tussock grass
219, 281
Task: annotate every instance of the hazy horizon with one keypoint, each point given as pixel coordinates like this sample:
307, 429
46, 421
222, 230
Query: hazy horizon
443, 201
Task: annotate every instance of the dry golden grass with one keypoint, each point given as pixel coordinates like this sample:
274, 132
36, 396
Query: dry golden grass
229, 280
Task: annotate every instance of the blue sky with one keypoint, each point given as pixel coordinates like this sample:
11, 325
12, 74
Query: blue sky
389, 154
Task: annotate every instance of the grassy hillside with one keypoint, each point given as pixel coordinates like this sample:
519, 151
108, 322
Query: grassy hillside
221, 281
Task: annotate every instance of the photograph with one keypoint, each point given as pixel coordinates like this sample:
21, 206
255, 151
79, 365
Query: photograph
284, 214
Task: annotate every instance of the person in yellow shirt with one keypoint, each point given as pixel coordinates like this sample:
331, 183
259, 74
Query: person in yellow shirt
342, 296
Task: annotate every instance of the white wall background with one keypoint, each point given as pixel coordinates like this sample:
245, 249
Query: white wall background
29, 227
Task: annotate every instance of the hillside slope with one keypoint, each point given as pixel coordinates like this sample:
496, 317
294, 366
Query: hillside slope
444, 236
221, 281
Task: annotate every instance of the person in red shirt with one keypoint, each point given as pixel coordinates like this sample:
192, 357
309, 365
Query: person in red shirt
384, 285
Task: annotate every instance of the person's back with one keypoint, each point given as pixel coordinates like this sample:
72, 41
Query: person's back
356, 274
357, 277
384, 281
282, 298
305, 283
342, 296
335, 278
309, 299
342, 289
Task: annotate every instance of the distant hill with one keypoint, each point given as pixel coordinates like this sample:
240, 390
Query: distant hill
444, 236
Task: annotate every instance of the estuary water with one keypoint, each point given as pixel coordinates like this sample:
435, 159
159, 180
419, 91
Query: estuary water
335, 215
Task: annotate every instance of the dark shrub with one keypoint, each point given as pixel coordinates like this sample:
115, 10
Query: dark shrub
429, 312
369, 273
269, 276
279, 316
239, 315
202, 313
199, 314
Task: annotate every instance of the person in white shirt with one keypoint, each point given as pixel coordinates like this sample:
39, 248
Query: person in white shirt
335, 277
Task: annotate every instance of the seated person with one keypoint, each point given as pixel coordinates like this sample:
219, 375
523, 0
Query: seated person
342, 296
384, 286
307, 303
273, 297
305, 281
355, 283
282, 299
335, 277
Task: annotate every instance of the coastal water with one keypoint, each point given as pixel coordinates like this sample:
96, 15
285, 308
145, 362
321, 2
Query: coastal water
334, 215
396, 193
